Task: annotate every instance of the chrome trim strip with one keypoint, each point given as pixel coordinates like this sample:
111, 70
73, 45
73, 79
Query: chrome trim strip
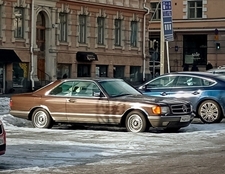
102, 115
19, 112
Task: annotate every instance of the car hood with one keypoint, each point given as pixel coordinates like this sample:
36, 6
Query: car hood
153, 100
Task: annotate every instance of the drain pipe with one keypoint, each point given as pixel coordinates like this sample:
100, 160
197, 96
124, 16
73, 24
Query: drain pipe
144, 41
32, 46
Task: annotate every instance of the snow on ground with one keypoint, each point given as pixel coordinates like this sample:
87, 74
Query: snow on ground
30, 149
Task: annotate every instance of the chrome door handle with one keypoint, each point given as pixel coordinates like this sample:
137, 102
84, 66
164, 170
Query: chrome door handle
195, 93
72, 100
163, 94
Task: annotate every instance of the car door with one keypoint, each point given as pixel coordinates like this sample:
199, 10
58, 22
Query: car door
160, 86
188, 88
86, 104
55, 101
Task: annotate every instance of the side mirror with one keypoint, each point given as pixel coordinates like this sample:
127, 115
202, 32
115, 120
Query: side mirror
143, 88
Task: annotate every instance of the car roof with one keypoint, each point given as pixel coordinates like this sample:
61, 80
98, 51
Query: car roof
92, 78
217, 70
195, 73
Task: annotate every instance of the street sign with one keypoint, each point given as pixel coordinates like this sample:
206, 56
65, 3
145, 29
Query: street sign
167, 20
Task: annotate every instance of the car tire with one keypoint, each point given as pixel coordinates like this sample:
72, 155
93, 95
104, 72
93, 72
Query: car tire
210, 112
41, 119
136, 122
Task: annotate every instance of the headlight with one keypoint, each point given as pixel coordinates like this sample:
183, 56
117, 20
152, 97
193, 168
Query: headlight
165, 110
161, 110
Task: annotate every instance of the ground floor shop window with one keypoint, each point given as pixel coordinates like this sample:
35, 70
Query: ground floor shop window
63, 71
118, 71
83, 70
101, 71
20, 75
195, 49
135, 73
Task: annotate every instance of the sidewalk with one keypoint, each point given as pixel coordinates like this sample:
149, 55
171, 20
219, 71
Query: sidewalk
7, 95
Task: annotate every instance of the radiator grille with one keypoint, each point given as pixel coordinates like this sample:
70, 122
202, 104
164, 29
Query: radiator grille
181, 108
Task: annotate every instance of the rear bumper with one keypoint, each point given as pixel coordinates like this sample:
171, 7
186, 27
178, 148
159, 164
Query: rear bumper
2, 149
171, 121
19, 114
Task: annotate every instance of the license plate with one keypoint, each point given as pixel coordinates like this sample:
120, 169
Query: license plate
185, 118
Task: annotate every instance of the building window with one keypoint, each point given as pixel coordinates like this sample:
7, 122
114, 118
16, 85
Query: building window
19, 22
195, 49
101, 71
82, 28
63, 70
40, 31
118, 71
20, 75
63, 27
101, 27
134, 32
83, 70
135, 74
156, 10
195, 9
118, 30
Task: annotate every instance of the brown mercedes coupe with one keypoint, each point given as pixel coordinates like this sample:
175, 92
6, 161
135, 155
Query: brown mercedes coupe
99, 101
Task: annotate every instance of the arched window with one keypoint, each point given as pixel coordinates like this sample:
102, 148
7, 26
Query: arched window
40, 31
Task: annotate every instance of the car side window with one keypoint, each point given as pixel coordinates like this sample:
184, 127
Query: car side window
63, 89
207, 82
85, 89
166, 81
189, 81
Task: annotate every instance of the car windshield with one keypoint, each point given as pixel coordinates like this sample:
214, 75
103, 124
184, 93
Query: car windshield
118, 88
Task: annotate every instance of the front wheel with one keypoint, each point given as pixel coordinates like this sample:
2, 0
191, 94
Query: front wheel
41, 119
136, 122
209, 112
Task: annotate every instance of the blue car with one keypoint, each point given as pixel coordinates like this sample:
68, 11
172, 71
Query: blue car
205, 91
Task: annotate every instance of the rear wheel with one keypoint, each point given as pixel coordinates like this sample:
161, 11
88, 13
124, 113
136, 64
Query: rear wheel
209, 112
136, 122
41, 119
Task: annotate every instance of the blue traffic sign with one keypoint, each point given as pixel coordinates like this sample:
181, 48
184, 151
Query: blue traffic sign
167, 20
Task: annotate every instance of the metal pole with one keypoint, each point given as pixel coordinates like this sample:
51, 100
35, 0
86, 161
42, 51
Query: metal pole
154, 57
167, 54
161, 44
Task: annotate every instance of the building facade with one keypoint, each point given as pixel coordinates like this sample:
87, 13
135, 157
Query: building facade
43, 40
199, 33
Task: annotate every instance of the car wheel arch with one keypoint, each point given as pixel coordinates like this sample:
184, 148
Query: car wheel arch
38, 107
123, 119
203, 100
220, 110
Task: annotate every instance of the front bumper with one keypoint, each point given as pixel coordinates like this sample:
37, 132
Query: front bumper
171, 121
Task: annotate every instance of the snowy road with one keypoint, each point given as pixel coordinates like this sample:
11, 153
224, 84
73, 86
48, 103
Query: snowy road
66, 149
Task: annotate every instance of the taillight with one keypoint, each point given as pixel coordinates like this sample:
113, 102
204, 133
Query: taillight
10, 103
4, 133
